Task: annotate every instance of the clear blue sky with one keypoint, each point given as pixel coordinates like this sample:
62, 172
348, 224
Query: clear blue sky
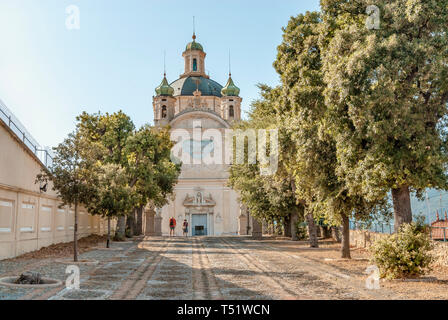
49, 74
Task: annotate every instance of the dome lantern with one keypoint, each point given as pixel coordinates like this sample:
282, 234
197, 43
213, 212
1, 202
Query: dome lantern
194, 45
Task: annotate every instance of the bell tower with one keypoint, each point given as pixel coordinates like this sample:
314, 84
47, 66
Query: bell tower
231, 101
164, 103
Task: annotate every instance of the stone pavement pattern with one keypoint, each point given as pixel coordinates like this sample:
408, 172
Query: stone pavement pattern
195, 268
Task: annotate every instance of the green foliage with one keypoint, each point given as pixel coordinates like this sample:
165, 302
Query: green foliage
420, 222
267, 197
133, 167
113, 196
149, 166
386, 93
364, 111
403, 254
107, 133
312, 153
111, 168
72, 176
71, 173
302, 231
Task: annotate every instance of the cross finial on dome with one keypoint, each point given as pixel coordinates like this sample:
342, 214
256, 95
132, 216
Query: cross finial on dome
194, 29
164, 63
230, 66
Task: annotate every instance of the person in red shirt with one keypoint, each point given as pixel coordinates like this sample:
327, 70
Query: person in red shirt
172, 226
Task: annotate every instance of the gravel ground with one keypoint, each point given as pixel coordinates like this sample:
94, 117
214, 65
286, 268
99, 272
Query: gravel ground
215, 268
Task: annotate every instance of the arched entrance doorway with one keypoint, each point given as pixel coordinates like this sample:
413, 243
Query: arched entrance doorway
199, 212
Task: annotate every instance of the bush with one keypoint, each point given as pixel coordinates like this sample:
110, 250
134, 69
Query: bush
404, 254
302, 231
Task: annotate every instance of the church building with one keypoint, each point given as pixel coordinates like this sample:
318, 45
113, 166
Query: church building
202, 195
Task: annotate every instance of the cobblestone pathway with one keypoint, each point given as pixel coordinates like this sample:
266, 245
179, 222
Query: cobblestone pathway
196, 268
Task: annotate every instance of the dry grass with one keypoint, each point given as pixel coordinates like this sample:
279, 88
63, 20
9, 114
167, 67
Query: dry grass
433, 285
63, 249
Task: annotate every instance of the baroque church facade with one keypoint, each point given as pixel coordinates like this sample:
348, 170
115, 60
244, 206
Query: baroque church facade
202, 195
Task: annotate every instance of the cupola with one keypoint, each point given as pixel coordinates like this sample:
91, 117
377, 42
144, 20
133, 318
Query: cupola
230, 89
164, 89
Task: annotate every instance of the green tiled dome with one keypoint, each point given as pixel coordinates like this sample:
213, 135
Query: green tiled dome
230, 89
187, 86
164, 89
194, 45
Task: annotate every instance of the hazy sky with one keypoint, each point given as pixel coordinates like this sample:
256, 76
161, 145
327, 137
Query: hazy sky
49, 74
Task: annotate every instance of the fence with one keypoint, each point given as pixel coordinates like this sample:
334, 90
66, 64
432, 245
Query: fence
439, 233
436, 233
378, 227
19, 130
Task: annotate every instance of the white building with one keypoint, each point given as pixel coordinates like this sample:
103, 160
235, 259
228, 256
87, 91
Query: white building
202, 195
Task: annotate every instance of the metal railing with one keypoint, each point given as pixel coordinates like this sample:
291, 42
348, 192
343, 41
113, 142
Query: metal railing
377, 227
435, 233
22, 134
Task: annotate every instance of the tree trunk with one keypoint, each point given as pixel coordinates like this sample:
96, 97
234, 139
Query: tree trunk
130, 223
345, 247
265, 227
75, 235
325, 232
312, 231
293, 224
402, 206
120, 233
287, 226
139, 222
108, 233
335, 234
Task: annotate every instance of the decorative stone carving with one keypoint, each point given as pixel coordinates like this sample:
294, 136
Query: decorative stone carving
199, 203
199, 198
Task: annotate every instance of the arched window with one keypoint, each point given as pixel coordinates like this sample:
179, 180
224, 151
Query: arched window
195, 65
231, 112
164, 113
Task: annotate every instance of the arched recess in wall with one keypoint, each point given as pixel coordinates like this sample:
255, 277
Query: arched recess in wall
195, 64
231, 112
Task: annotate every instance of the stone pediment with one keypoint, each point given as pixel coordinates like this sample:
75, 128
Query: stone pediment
199, 201
198, 113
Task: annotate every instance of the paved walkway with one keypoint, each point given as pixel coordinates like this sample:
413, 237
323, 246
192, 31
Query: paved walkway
196, 268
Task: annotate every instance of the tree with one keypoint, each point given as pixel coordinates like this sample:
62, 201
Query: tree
387, 93
144, 156
108, 133
71, 175
150, 168
269, 198
266, 198
113, 197
312, 153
